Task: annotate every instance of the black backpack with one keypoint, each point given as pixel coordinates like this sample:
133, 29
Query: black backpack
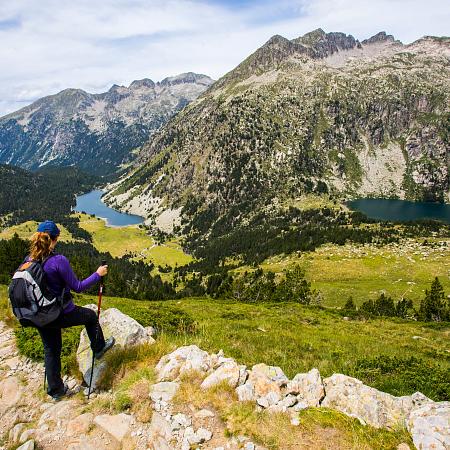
30, 298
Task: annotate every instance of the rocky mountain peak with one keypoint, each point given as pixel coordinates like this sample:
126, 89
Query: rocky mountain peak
312, 37
379, 37
186, 78
277, 41
323, 44
144, 83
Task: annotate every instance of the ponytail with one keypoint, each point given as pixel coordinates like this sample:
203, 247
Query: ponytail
40, 246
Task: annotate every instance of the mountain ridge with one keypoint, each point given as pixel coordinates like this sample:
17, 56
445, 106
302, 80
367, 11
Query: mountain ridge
74, 127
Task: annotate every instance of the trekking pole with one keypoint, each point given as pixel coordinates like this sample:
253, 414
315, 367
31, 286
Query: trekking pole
45, 377
99, 304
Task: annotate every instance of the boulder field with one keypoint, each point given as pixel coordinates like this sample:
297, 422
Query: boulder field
28, 419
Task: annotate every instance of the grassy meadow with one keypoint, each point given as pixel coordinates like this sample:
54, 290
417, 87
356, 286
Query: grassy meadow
133, 240
395, 356
364, 271
26, 229
361, 271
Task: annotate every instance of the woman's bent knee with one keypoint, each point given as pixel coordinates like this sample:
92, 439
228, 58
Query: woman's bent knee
91, 316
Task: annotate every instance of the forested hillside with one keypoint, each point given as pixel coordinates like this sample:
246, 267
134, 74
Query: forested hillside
45, 194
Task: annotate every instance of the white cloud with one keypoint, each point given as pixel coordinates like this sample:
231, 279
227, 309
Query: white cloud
49, 45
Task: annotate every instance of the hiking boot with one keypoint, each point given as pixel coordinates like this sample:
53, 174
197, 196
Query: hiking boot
108, 344
62, 393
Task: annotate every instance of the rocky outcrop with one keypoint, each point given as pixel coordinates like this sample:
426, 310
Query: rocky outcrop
229, 372
117, 426
429, 426
381, 410
126, 331
307, 387
183, 359
263, 385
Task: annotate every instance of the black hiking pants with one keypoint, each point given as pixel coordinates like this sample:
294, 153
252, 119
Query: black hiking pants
52, 340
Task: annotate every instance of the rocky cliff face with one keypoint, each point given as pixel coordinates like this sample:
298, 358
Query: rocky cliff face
321, 113
74, 127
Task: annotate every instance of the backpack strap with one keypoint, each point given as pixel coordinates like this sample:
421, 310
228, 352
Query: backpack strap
28, 259
46, 259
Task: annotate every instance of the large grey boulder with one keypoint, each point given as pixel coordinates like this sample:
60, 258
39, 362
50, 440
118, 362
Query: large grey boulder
429, 426
272, 373
183, 359
308, 387
379, 409
126, 331
160, 427
11, 391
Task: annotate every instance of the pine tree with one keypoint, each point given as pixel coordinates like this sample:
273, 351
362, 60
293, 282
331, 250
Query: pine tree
384, 306
433, 305
350, 305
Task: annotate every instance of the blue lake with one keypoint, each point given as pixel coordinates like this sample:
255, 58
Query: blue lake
401, 210
91, 203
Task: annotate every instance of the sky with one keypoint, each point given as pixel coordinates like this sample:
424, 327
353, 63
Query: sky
50, 45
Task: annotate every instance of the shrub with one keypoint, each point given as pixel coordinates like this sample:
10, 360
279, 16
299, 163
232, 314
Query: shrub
350, 305
167, 319
30, 345
385, 306
401, 376
260, 286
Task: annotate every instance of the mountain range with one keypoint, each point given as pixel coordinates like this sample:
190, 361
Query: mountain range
323, 113
96, 132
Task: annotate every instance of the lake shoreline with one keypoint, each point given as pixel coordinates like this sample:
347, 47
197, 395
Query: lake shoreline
91, 203
396, 210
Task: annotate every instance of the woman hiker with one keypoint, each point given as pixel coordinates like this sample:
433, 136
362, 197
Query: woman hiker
61, 278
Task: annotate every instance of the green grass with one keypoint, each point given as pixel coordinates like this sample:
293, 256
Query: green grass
363, 272
133, 240
311, 201
382, 353
298, 338
170, 253
26, 229
116, 240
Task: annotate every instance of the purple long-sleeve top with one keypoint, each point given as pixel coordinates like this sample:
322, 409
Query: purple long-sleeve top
61, 276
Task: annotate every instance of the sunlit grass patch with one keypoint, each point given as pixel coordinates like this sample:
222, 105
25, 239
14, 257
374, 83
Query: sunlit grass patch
26, 229
363, 272
133, 240
132, 392
116, 240
170, 253
356, 435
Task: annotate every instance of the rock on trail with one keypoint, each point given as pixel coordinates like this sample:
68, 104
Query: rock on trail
126, 331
